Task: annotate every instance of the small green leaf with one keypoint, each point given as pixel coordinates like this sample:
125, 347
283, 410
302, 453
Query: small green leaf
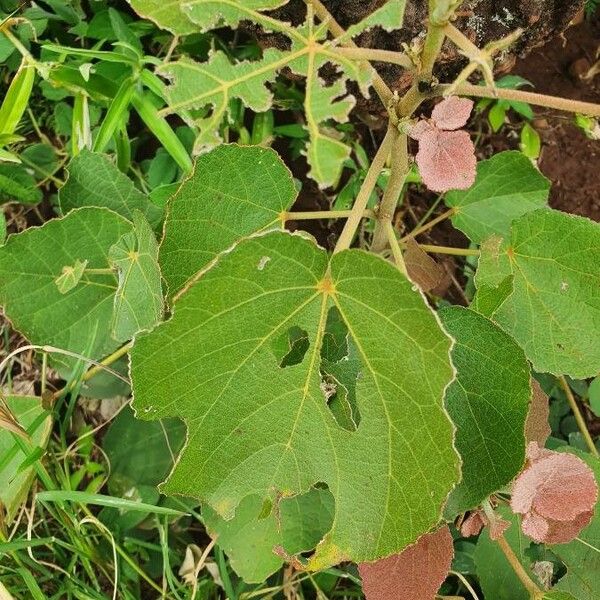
390, 17
531, 144
79, 320
140, 451
488, 402
255, 428
71, 275
233, 193
138, 299
497, 116
551, 311
14, 485
95, 181
594, 396
507, 186
252, 540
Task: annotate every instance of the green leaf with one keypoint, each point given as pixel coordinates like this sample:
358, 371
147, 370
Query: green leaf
507, 186
255, 428
78, 320
139, 452
582, 555
233, 192
167, 15
210, 14
594, 396
251, 540
488, 402
139, 299
16, 184
496, 577
531, 143
215, 83
14, 485
390, 17
551, 311
95, 181
552, 595
497, 116
70, 276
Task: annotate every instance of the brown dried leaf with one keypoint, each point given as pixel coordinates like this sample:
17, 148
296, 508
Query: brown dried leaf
417, 572
421, 268
473, 524
446, 160
537, 426
9, 422
556, 494
452, 113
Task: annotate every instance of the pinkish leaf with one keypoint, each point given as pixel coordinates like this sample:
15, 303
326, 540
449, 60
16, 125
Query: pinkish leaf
452, 113
473, 524
556, 493
417, 572
420, 128
447, 160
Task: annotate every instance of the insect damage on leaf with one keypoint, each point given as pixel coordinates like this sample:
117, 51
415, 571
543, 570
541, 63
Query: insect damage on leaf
256, 426
417, 572
446, 157
556, 494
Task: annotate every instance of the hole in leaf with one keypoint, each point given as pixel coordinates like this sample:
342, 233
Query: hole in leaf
291, 347
340, 370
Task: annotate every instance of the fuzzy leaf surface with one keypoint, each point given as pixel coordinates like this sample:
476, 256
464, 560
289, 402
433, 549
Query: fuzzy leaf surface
232, 193
390, 17
138, 299
582, 555
507, 186
552, 305
95, 181
488, 402
256, 428
78, 320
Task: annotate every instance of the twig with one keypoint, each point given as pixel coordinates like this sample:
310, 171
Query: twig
321, 214
365, 192
386, 56
395, 246
480, 91
578, 417
518, 568
398, 171
429, 225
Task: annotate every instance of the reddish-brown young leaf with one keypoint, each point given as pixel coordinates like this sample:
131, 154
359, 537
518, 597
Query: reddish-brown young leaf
446, 160
421, 268
420, 128
452, 113
556, 494
417, 572
537, 426
473, 524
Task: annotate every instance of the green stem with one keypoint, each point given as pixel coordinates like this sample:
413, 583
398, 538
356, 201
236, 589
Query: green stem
321, 214
106, 271
578, 417
518, 568
365, 192
399, 168
395, 246
430, 225
447, 250
386, 56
